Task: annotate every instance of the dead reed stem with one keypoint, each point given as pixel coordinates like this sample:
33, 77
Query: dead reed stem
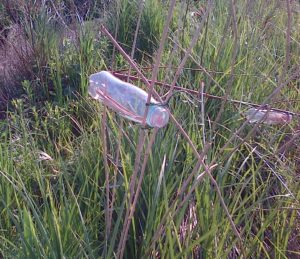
141, 141
185, 135
108, 216
196, 93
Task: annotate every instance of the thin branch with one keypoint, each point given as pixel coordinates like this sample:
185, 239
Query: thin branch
196, 93
188, 51
124, 234
229, 84
288, 37
185, 135
106, 168
138, 188
208, 172
286, 65
116, 32
141, 7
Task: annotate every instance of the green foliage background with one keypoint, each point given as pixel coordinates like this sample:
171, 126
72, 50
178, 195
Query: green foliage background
53, 200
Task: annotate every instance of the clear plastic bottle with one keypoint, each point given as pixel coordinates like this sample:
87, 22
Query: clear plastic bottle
126, 99
267, 116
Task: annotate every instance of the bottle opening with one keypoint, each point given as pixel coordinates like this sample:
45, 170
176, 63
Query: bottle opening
158, 117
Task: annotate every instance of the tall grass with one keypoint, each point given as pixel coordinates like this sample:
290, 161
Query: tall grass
67, 163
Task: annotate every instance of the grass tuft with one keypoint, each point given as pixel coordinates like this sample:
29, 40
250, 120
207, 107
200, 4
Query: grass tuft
79, 181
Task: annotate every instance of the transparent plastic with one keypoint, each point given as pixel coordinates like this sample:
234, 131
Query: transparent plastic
126, 99
268, 116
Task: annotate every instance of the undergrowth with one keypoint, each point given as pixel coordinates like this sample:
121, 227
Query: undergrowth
67, 171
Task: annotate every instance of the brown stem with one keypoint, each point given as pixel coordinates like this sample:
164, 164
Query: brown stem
196, 93
183, 132
106, 168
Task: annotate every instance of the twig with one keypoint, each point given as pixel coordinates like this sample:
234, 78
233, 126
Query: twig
229, 84
288, 38
175, 45
188, 51
116, 33
208, 172
202, 111
133, 203
118, 151
182, 131
127, 221
183, 188
196, 93
141, 7
287, 47
106, 168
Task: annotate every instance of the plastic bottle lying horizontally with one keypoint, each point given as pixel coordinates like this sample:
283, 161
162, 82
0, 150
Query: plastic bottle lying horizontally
126, 99
268, 116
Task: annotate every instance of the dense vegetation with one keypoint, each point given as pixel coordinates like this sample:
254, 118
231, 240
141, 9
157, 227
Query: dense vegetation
79, 181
